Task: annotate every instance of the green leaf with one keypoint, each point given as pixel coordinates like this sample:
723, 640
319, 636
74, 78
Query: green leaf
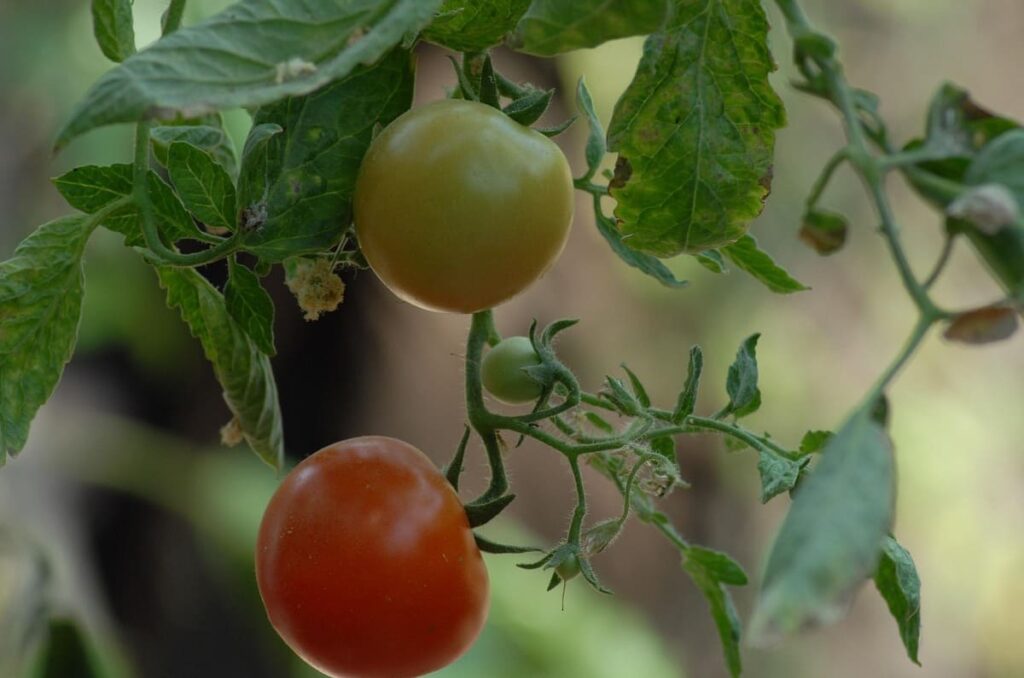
554, 26
253, 53
40, 305
241, 368
250, 305
824, 231
596, 145
711, 571
528, 109
695, 130
638, 387
831, 539
113, 27
746, 255
1001, 162
815, 441
91, 188
204, 186
687, 400
897, 581
489, 84
213, 140
300, 181
645, 263
711, 260
778, 475
741, 381
473, 26
69, 651
1002, 252
598, 422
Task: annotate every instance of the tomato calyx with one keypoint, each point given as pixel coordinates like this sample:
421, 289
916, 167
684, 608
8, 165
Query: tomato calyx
479, 81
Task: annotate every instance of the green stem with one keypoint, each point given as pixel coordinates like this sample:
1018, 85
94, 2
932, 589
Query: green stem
834, 162
940, 265
917, 335
580, 512
741, 434
480, 419
172, 18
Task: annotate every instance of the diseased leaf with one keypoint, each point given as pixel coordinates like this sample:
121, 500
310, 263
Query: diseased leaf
897, 581
474, 25
741, 382
113, 27
983, 325
711, 571
241, 368
213, 140
40, 306
551, 27
831, 539
695, 130
298, 184
92, 187
823, 231
746, 255
250, 305
1000, 162
778, 475
204, 186
253, 53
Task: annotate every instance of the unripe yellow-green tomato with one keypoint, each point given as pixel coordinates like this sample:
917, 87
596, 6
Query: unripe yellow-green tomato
459, 208
503, 375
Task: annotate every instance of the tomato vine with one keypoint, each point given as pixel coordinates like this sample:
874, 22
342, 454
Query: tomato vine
328, 85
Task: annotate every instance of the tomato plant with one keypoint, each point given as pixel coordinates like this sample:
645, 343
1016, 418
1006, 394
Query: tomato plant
458, 207
367, 559
503, 371
366, 562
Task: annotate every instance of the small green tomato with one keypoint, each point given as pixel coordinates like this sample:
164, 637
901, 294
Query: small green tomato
503, 371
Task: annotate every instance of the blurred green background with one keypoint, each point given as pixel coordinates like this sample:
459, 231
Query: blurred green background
124, 516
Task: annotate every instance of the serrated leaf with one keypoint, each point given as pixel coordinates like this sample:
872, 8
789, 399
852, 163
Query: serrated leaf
741, 381
213, 140
747, 256
304, 176
815, 441
687, 400
897, 581
711, 571
203, 185
711, 260
551, 27
250, 305
241, 368
778, 475
41, 290
474, 25
824, 231
114, 29
253, 53
830, 541
983, 325
92, 187
596, 145
695, 130
645, 263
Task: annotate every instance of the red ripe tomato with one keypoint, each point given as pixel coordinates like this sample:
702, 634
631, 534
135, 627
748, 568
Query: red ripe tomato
367, 565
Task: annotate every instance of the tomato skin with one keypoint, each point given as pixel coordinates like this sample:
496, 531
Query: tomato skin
366, 563
459, 208
502, 371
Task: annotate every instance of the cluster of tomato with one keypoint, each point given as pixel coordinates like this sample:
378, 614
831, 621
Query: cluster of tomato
365, 560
